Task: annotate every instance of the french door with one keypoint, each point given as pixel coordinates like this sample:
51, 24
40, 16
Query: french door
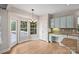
23, 33
18, 31
22, 30
13, 32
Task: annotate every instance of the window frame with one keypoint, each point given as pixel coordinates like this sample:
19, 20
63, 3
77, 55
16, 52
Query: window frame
33, 28
25, 27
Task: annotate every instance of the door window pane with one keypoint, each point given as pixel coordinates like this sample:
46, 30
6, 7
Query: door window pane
13, 26
13, 33
23, 26
33, 27
23, 30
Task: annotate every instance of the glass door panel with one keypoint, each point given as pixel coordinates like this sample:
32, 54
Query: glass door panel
23, 30
33, 30
33, 27
13, 32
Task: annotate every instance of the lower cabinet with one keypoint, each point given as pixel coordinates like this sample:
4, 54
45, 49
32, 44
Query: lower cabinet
60, 37
56, 37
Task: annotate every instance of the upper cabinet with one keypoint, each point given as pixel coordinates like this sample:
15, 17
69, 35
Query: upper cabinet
57, 22
52, 23
62, 22
69, 22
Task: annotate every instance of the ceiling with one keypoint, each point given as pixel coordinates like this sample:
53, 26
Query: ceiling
40, 9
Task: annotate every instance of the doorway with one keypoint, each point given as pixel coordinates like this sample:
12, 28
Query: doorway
13, 32
22, 30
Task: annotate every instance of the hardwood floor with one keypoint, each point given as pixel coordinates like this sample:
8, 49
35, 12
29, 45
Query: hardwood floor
39, 47
71, 43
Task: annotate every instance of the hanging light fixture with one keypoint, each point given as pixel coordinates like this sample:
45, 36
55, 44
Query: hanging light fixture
32, 16
32, 19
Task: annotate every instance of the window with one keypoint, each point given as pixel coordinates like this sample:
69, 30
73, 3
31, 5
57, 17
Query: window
23, 30
13, 26
13, 31
78, 24
33, 27
23, 26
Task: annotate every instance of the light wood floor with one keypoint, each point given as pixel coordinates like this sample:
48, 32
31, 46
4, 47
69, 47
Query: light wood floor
39, 47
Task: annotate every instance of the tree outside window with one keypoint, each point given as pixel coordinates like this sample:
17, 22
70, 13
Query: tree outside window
13, 26
23, 26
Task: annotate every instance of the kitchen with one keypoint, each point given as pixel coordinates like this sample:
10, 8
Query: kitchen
64, 25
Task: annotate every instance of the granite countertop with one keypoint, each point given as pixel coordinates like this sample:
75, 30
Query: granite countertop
71, 34
74, 35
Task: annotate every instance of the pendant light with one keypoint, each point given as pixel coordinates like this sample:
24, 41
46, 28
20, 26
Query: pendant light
32, 15
32, 19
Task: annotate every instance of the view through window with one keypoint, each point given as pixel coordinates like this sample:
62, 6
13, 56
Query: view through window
13, 26
13, 33
33, 27
23, 30
23, 26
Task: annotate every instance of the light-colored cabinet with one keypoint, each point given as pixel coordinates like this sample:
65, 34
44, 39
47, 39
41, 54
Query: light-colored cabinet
52, 22
57, 22
58, 38
62, 22
69, 22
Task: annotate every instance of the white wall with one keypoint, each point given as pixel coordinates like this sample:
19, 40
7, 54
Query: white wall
43, 27
4, 23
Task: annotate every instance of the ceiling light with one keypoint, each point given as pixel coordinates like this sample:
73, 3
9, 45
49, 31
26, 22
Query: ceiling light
32, 19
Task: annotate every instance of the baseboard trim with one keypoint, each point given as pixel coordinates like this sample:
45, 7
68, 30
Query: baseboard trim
4, 50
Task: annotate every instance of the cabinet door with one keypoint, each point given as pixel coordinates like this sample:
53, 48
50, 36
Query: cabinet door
57, 23
69, 22
63, 22
52, 23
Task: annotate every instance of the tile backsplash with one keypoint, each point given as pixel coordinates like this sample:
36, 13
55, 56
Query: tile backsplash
66, 30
